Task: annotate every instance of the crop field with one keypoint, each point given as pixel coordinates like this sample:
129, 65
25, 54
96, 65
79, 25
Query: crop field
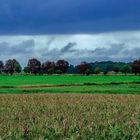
70, 84
66, 107
69, 117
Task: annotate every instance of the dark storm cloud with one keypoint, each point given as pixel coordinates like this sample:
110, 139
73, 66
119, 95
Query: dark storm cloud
57, 53
68, 16
68, 48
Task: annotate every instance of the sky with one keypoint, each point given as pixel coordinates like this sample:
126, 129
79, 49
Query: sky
75, 30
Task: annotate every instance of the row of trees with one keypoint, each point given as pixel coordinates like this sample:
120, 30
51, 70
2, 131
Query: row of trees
49, 67
34, 66
61, 66
87, 68
11, 66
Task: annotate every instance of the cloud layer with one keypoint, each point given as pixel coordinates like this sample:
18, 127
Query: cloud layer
68, 16
117, 46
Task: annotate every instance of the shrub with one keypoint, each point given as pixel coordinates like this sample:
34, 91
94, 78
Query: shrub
97, 70
88, 72
59, 72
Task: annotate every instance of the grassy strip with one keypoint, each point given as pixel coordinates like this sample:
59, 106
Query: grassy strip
104, 89
99, 89
67, 85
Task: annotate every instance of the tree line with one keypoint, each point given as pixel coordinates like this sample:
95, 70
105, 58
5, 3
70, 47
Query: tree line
34, 66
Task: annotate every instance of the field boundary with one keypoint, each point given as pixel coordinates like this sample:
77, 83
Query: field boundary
67, 85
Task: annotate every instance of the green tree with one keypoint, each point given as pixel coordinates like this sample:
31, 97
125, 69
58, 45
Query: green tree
126, 69
105, 72
97, 70
136, 67
34, 66
84, 67
50, 71
59, 72
62, 66
11, 66
26, 69
18, 68
88, 72
109, 67
116, 69
48, 67
1, 66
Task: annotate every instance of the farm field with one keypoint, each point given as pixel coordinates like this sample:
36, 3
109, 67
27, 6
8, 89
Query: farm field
66, 107
70, 84
69, 117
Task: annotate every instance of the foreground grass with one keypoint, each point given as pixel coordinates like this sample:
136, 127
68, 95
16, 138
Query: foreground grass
71, 117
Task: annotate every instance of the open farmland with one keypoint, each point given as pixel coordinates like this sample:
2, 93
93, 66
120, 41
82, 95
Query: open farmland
43, 114
70, 84
69, 116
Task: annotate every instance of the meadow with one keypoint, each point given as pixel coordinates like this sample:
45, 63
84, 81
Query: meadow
70, 84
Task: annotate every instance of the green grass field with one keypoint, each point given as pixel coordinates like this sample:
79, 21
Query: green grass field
63, 79
70, 84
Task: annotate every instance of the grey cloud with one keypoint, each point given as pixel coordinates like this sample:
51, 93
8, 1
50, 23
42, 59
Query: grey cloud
21, 48
68, 47
26, 49
114, 52
52, 54
50, 41
56, 53
21, 51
